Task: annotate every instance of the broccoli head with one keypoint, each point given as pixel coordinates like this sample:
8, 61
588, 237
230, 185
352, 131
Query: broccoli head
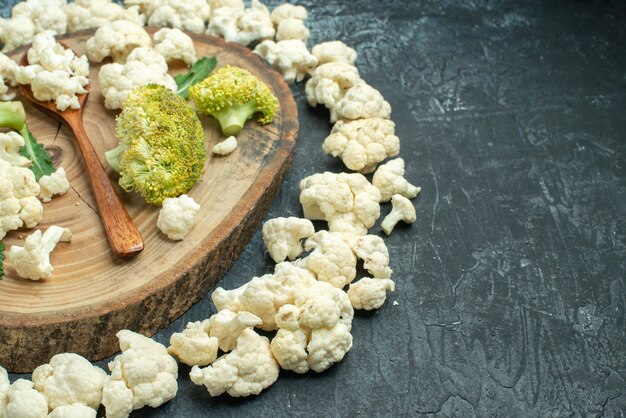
161, 152
233, 95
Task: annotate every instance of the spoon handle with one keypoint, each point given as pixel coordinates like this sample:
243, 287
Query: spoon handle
122, 233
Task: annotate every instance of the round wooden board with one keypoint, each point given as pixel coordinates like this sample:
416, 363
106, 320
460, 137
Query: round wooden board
93, 294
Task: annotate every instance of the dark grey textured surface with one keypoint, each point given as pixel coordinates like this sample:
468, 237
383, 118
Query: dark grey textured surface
510, 285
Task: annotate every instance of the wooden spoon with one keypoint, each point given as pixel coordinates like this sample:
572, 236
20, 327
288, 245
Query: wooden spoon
122, 233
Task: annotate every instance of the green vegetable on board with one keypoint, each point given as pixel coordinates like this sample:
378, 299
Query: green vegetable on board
198, 72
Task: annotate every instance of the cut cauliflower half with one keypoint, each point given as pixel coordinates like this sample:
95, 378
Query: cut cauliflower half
22, 400
144, 66
174, 44
45, 14
291, 58
69, 378
75, 410
362, 144
374, 253
330, 82
143, 375
194, 346
389, 179
53, 184
86, 14
117, 39
282, 237
292, 29
334, 51
340, 199
402, 210
225, 147
242, 26
10, 144
362, 101
189, 15
227, 325
370, 293
245, 371
177, 215
314, 331
19, 205
32, 261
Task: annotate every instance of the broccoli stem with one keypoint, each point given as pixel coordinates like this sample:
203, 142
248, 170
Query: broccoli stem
12, 115
114, 156
233, 118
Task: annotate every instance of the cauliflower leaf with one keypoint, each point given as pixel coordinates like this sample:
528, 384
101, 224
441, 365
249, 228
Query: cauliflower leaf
198, 72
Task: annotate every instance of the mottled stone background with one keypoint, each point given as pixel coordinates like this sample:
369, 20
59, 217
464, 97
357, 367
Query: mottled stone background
510, 286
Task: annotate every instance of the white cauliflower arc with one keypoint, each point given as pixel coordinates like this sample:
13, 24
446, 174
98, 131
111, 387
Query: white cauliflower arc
193, 346
362, 144
389, 179
174, 44
117, 40
370, 293
19, 205
290, 57
188, 15
176, 216
86, 14
329, 83
242, 26
282, 237
53, 184
361, 101
32, 261
245, 371
334, 51
23, 401
144, 374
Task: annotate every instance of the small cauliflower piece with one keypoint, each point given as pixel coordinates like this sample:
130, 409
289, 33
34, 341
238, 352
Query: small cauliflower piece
176, 216
370, 293
227, 325
4, 387
45, 14
143, 375
329, 83
362, 101
245, 371
117, 40
282, 237
18, 198
291, 58
75, 410
292, 29
234, 4
389, 179
362, 144
288, 11
143, 66
10, 144
32, 261
53, 184
8, 67
59, 86
375, 255
225, 147
194, 346
174, 44
86, 14
242, 26
23, 401
402, 210
16, 31
331, 259
69, 378
334, 51
189, 15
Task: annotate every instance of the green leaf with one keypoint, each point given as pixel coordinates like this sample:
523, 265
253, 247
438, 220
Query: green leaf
1, 260
198, 72
41, 162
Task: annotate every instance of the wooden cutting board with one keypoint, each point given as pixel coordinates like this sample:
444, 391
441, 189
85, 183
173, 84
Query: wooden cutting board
93, 294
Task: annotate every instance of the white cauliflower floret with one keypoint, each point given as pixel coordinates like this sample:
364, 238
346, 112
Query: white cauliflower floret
174, 44
334, 51
290, 57
370, 293
189, 15
361, 102
226, 146
245, 371
389, 179
10, 144
227, 325
8, 67
69, 378
402, 210
16, 31
242, 26
218, 4
53, 184
375, 255
117, 40
288, 11
18, 198
59, 86
331, 259
4, 387
45, 14
263, 296
330, 82
362, 144
75, 410
176, 216
194, 346
144, 66
282, 237
340, 199
85, 14
314, 332
32, 261
24, 402
292, 29
143, 375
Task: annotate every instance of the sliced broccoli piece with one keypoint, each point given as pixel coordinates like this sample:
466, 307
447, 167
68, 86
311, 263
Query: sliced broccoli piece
232, 95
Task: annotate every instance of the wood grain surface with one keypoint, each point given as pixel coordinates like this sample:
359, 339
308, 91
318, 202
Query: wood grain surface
93, 294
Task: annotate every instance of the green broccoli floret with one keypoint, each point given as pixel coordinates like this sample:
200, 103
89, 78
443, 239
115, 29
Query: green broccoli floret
233, 95
161, 152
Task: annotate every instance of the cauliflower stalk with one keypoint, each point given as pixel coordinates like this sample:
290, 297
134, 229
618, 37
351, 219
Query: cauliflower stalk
389, 179
290, 57
176, 216
282, 237
32, 261
402, 210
